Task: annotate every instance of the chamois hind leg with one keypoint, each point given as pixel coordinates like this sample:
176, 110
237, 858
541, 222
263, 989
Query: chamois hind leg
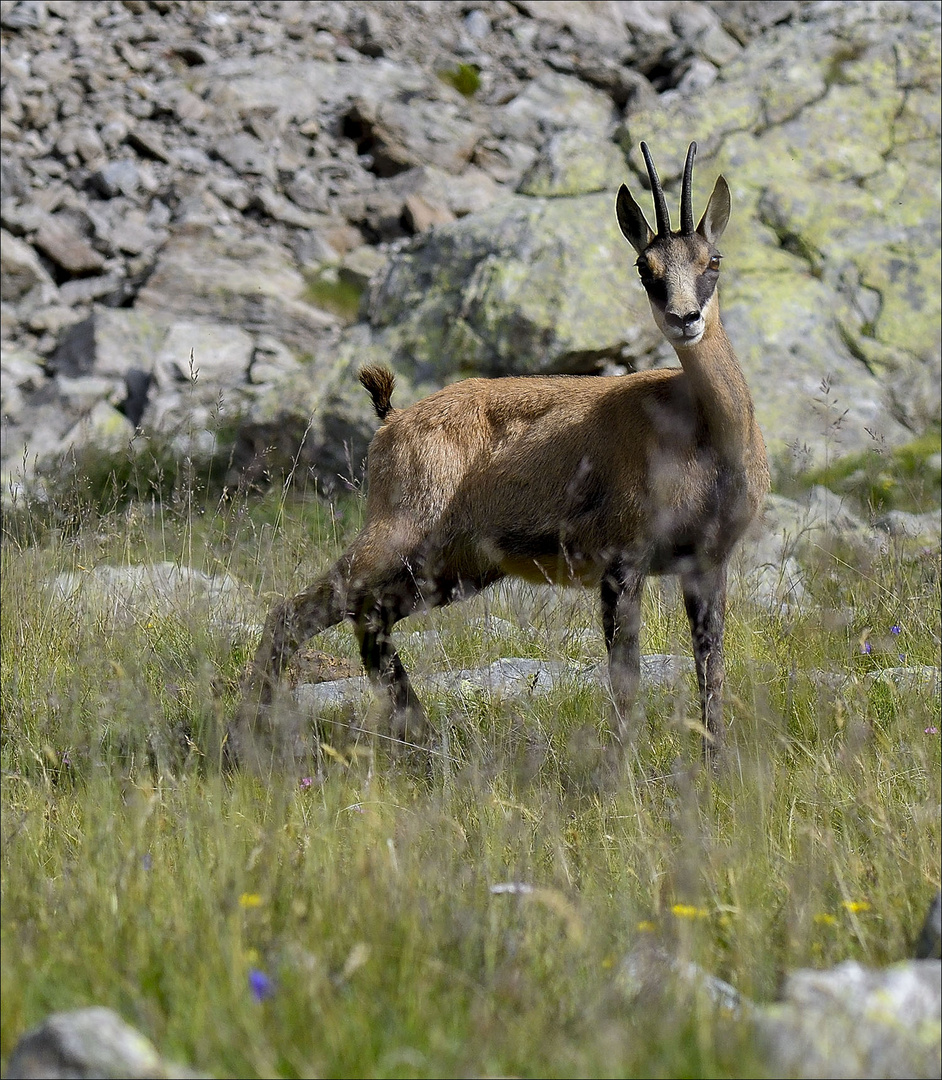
399, 596
621, 591
705, 601
394, 600
257, 737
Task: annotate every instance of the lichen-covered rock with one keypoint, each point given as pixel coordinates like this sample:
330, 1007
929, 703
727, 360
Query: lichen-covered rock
249, 282
20, 269
110, 342
525, 285
102, 429
851, 1021
554, 102
573, 163
926, 527
313, 423
90, 1044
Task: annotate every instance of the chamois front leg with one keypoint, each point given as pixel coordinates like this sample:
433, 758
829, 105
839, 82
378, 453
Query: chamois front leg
257, 738
621, 620
705, 601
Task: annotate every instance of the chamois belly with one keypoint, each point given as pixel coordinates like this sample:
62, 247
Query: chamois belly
560, 569
693, 526
570, 566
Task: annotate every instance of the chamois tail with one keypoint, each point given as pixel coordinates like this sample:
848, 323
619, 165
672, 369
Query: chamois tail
379, 381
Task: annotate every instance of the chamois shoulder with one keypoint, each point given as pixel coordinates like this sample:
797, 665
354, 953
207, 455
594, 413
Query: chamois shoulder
380, 382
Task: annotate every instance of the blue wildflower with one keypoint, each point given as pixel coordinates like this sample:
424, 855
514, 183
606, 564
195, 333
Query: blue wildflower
261, 985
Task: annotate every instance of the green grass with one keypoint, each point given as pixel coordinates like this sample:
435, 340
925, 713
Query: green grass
334, 292
137, 873
465, 78
905, 477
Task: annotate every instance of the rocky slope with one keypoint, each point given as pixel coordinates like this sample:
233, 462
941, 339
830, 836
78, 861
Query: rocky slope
214, 212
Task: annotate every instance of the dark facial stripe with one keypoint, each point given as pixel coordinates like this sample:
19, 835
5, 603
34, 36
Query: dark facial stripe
706, 286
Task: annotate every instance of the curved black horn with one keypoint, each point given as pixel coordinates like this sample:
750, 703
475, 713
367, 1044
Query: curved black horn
660, 203
686, 206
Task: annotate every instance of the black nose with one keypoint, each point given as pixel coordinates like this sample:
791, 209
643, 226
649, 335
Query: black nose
683, 321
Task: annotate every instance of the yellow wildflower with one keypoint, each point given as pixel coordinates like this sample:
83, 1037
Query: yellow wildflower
688, 911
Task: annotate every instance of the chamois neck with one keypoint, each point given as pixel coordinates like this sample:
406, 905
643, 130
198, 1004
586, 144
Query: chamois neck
720, 389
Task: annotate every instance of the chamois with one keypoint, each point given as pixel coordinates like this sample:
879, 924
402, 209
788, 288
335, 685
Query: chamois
598, 480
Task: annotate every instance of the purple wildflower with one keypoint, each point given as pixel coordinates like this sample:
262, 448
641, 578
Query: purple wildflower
933, 730
261, 985
866, 647
896, 629
305, 782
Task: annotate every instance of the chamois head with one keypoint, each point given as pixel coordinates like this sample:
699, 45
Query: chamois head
679, 270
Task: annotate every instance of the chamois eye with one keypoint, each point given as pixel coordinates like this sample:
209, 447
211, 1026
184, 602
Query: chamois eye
715, 262
645, 273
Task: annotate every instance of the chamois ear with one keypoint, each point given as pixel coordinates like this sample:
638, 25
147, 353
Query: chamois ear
716, 215
631, 221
